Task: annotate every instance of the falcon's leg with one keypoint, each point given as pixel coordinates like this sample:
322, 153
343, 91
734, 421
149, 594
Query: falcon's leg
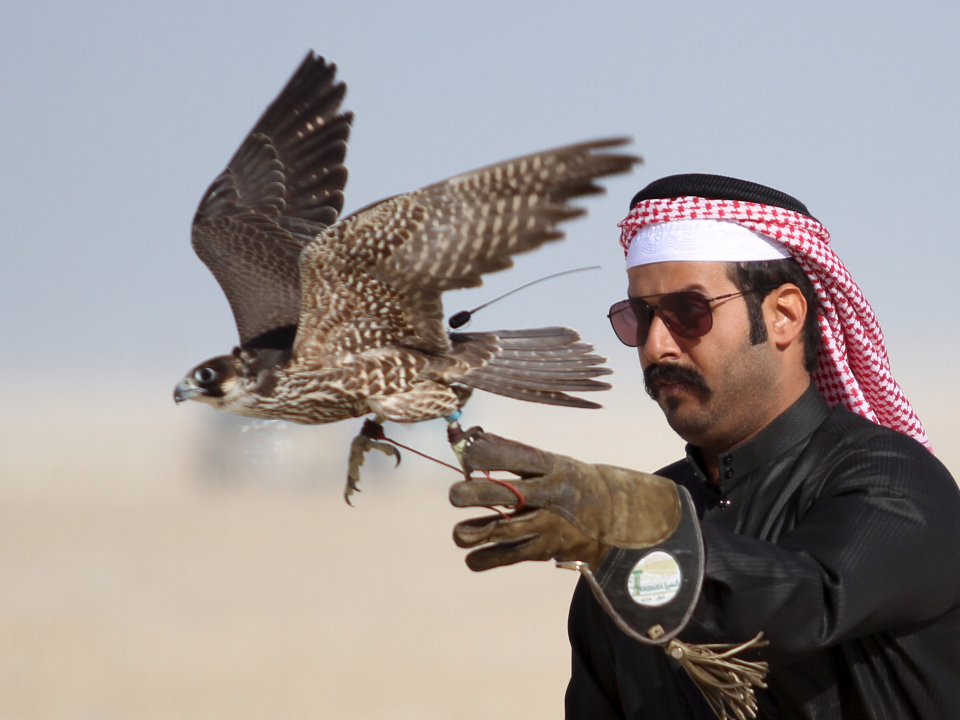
367, 440
456, 438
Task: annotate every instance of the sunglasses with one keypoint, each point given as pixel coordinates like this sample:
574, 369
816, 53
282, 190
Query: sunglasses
687, 314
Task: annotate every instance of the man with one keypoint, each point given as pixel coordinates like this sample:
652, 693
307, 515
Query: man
821, 519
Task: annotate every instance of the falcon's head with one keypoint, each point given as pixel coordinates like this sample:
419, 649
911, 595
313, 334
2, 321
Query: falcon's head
216, 382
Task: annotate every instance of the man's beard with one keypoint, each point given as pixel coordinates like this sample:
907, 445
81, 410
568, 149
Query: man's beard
655, 375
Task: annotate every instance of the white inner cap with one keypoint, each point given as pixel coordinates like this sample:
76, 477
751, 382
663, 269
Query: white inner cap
701, 241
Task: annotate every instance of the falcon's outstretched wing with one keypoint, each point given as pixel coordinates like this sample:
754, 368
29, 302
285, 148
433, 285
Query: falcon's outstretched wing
376, 277
283, 186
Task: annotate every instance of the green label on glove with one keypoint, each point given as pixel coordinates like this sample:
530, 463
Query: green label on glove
655, 579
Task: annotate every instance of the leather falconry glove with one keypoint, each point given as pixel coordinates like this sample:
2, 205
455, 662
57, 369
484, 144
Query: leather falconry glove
633, 536
574, 510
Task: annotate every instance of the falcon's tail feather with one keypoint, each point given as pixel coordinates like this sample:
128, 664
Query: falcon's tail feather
538, 365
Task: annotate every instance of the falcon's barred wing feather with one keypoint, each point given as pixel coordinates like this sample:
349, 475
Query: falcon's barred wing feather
283, 186
377, 276
537, 365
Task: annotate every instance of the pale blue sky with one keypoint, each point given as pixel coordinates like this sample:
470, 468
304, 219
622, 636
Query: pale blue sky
115, 116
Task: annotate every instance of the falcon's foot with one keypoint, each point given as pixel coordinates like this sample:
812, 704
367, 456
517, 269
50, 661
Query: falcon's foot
369, 439
457, 439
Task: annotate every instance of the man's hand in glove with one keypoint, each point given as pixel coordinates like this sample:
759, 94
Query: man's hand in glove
573, 510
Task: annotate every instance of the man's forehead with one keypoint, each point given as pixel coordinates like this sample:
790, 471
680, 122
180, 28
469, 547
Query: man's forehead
676, 276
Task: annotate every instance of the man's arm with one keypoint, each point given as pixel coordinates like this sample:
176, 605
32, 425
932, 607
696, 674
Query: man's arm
877, 549
593, 691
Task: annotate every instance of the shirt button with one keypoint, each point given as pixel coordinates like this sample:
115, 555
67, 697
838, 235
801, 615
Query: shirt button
728, 473
727, 459
725, 503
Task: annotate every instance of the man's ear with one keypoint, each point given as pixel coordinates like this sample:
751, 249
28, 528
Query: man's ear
784, 311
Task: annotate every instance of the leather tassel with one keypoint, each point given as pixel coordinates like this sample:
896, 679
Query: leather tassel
725, 681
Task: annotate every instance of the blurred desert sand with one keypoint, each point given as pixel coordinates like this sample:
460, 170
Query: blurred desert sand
161, 562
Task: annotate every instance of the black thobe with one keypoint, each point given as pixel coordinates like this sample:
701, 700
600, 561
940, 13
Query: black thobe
837, 538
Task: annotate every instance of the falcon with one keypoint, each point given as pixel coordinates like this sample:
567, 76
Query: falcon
343, 318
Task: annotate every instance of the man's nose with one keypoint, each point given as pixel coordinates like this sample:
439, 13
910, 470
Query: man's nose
660, 344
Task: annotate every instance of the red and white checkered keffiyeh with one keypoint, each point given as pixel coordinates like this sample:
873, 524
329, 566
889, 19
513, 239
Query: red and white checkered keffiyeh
854, 368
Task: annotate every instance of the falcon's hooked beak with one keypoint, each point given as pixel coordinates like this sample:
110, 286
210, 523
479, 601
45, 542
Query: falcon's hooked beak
185, 390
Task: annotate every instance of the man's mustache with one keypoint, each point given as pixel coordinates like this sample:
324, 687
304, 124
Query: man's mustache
656, 375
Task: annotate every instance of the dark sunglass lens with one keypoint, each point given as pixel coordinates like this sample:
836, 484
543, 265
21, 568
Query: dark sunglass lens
687, 314
624, 322
642, 314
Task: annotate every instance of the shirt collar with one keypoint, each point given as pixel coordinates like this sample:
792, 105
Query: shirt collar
794, 425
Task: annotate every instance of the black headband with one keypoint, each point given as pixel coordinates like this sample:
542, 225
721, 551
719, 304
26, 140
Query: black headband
718, 187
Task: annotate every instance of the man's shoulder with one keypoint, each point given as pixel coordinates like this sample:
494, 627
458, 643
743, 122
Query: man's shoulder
848, 432
849, 445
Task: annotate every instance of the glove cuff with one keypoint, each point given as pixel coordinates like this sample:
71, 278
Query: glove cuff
650, 593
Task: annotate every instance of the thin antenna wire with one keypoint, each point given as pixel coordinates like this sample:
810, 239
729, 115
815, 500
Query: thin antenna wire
463, 317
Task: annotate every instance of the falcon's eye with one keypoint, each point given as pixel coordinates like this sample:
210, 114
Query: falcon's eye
205, 375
